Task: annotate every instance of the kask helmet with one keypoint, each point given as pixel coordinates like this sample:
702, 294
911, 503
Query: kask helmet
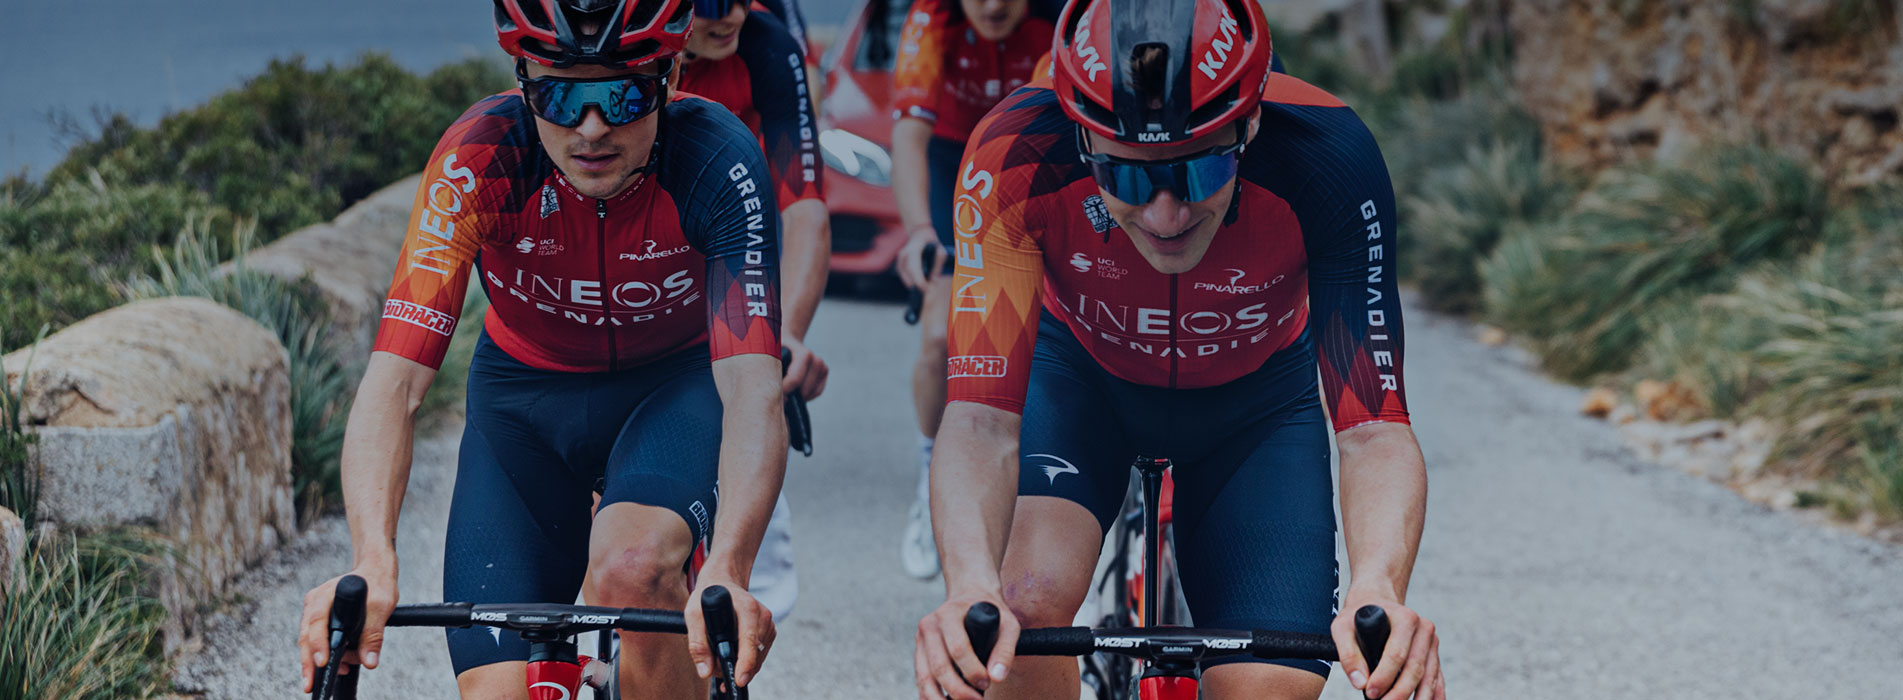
615, 33
1126, 69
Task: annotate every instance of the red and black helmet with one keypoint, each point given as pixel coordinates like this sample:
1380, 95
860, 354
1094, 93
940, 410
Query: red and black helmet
1185, 84
615, 33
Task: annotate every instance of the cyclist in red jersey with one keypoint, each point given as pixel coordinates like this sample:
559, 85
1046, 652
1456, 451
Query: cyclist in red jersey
629, 250
957, 58
1158, 247
746, 60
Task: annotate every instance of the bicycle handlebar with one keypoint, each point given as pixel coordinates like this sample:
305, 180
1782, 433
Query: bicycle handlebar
1178, 643
915, 297
538, 617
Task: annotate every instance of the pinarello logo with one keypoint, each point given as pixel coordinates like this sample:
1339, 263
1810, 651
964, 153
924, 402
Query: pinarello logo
1080, 262
980, 366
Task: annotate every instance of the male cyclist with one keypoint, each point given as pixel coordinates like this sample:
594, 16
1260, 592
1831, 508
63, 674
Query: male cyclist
957, 58
627, 246
1157, 249
747, 61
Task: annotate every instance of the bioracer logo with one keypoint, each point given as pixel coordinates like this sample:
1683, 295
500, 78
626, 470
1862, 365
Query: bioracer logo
980, 366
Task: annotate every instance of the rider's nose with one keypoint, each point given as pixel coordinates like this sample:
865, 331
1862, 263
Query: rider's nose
1165, 215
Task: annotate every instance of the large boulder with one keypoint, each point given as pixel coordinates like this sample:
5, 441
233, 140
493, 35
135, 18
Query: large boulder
349, 260
169, 414
1613, 80
12, 547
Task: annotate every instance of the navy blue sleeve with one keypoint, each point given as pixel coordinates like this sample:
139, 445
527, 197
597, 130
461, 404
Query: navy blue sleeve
711, 166
1338, 187
788, 13
789, 131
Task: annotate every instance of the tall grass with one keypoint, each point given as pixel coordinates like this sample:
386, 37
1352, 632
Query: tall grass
320, 378
1586, 287
19, 480
1464, 209
78, 622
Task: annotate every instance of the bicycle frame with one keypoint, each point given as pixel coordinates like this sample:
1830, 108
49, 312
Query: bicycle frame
1162, 679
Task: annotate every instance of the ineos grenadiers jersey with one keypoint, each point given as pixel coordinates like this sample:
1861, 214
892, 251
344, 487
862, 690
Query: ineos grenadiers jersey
764, 83
1309, 246
690, 255
947, 75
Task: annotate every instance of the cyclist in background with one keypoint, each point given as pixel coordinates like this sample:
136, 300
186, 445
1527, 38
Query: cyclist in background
1157, 249
957, 58
627, 246
748, 62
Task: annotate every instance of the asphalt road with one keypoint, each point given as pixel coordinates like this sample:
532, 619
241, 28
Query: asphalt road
1556, 565
147, 59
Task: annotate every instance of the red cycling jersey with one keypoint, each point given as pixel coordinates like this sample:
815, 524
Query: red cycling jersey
687, 256
764, 83
948, 75
1306, 249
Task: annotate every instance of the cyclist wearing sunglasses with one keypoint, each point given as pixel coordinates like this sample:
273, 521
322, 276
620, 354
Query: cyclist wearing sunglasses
957, 58
1159, 248
628, 249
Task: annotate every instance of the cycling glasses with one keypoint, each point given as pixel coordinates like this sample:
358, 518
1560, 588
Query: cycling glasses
1192, 178
622, 99
713, 9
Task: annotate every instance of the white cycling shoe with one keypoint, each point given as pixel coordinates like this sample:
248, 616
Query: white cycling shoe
917, 552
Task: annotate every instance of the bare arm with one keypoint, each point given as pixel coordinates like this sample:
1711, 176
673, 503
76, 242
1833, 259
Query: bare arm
912, 188
1383, 510
752, 461
974, 486
805, 249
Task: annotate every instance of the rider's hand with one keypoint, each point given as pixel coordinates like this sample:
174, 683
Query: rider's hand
313, 638
755, 623
944, 663
912, 270
806, 373
1410, 665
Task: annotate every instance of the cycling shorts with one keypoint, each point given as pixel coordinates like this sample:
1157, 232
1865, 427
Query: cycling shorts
537, 445
1254, 513
941, 161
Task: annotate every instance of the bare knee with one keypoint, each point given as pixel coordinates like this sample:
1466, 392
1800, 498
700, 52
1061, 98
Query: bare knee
639, 572
1043, 601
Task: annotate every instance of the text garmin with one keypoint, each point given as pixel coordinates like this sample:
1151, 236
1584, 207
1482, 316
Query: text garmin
1380, 342
436, 226
756, 242
968, 221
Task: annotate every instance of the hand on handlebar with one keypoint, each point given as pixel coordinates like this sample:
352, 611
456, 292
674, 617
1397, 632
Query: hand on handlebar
313, 640
753, 626
945, 665
911, 264
1409, 663
806, 372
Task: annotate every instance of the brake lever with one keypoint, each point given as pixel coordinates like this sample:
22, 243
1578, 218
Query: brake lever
915, 297
338, 680
723, 637
799, 424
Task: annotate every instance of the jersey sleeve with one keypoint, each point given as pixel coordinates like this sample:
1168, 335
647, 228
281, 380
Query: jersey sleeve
730, 217
448, 222
788, 129
997, 282
916, 75
1354, 305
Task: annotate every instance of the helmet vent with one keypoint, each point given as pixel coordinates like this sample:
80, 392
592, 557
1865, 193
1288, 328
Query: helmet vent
536, 15
1148, 74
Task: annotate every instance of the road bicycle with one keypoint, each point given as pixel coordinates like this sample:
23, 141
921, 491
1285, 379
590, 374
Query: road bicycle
556, 671
1141, 649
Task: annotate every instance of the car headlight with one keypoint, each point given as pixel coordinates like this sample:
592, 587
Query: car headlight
853, 155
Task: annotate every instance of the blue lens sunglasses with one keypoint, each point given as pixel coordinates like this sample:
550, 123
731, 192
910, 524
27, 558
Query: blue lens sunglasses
621, 99
1192, 178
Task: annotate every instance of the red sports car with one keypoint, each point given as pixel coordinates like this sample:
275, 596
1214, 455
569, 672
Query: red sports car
856, 137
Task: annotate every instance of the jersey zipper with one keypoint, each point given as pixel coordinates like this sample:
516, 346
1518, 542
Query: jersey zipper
601, 239
1173, 323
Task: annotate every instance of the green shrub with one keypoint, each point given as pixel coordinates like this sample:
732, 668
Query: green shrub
78, 623
447, 390
320, 379
1585, 287
19, 481
1465, 208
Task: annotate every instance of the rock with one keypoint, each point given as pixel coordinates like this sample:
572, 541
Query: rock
350, 260
12, 546
1491, 337
173, 415
1599, 402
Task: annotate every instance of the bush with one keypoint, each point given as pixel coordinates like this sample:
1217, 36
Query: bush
293, 147
78, 624
320, 379
19, 481
1584, 288
447, 390
1464, 209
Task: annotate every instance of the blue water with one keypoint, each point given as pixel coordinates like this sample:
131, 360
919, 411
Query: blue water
147, 58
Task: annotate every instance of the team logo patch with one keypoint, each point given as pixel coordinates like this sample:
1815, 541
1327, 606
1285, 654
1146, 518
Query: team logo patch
550, 202
1080, 262
1099, 214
